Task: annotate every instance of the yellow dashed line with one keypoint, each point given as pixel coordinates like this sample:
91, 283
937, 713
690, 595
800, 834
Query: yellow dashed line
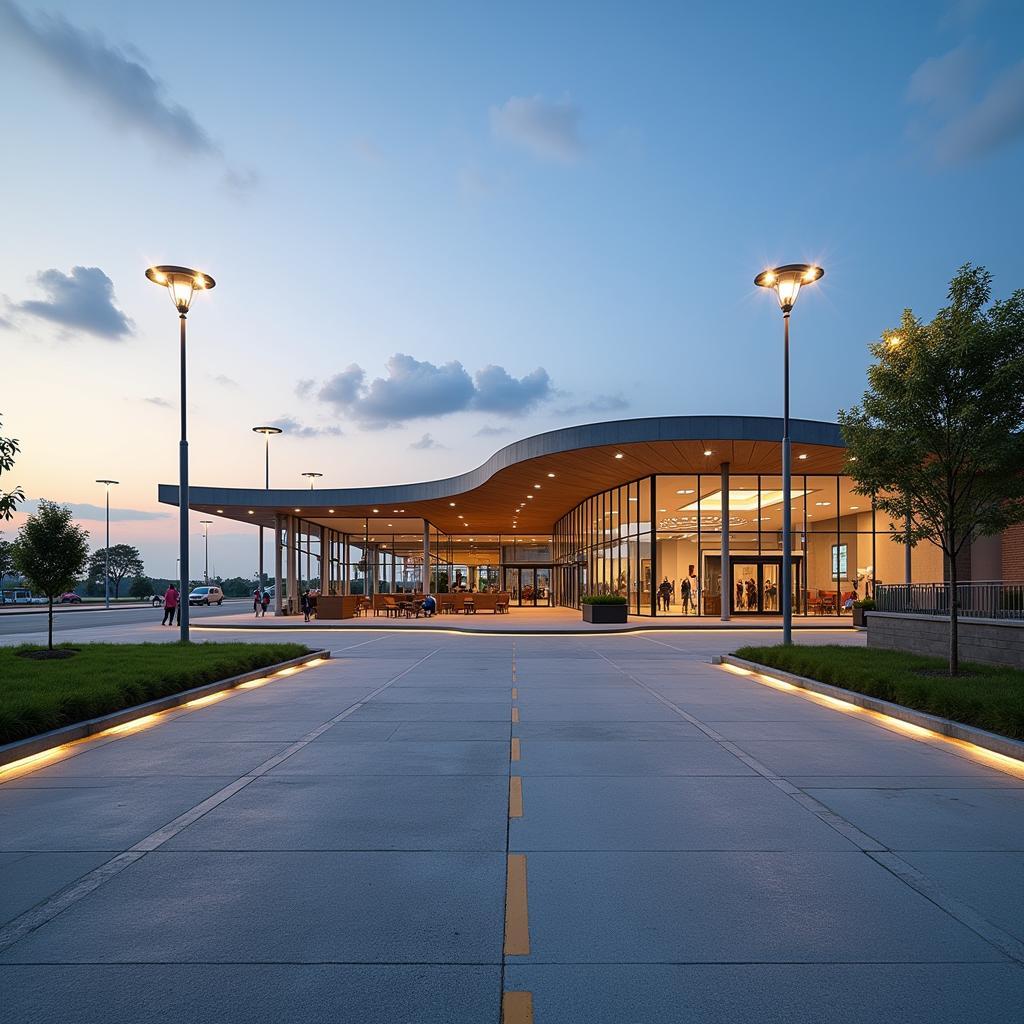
515, 693
515, 715
517, 1008
517, 925
515, 748
515, 796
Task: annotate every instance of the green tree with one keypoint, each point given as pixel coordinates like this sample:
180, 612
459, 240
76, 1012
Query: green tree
142, 586
938, 438
51, 552
9, 447
125, 561
6, 559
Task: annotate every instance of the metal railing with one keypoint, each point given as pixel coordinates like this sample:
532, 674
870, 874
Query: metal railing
976, 600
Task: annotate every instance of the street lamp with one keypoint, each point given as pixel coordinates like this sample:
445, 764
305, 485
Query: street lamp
205, 523
267, 433
182, 283
786, 282
313, 477
106, 553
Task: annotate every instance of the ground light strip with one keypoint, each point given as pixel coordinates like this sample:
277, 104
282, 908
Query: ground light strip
966, 749
63, 751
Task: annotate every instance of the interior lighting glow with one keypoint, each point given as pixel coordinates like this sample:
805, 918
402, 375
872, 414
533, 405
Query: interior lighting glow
210, 698
619, 455
802, 455
138, 723
552, 475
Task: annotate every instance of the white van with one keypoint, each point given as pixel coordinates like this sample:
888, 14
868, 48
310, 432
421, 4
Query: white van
206, 595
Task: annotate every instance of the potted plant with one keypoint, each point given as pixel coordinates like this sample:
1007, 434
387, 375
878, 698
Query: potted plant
867, 604
603, 608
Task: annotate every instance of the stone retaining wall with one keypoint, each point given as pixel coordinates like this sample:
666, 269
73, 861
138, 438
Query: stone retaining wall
991, 641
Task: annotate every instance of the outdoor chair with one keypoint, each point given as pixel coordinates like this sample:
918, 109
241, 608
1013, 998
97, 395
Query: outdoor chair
469, 606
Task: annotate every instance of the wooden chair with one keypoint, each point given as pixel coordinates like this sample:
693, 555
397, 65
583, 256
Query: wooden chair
501, 606
446, 606
469, 606
813, 603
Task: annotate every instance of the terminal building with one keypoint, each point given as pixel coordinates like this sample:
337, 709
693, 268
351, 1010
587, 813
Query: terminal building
681, 515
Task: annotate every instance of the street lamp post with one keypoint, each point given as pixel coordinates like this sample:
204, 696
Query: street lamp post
106, 553
182, 283
786, 281
205, 523
267, 433
312, 477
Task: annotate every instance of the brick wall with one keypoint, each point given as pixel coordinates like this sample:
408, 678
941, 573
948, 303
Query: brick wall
1013, 554
985, 640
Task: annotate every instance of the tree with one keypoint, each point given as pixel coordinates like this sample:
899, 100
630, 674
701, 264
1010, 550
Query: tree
142, 586
938, 439
51, 552
125, 561
6, 559
9, 447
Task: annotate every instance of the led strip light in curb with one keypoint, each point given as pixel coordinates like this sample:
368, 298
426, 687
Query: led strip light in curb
62, 751
972, 751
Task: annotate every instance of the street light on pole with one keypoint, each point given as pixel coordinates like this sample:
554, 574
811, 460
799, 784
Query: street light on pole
106, 553
267, 433
313, 477
205, 523
182, 283
786, 281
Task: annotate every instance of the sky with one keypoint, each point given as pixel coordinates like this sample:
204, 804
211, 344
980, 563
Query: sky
438, 228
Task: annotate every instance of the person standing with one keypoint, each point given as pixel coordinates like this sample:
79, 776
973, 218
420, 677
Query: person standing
265, 603
257, 601
684, 593
306, 606
170, 605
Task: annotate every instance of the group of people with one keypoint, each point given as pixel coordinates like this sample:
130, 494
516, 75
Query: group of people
260, 602
666, 594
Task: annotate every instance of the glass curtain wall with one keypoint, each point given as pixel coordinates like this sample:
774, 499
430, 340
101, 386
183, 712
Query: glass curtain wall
657, 541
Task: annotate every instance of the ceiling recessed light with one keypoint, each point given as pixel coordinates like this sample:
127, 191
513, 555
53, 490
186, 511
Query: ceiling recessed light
634, 499
802, 455
220, 510
530, 497
376, 510
330, 510
662, 509
451, 504
298, 510
552, 475
686, 490
708, 451
619, 455
536, 487
855, 507
251, 512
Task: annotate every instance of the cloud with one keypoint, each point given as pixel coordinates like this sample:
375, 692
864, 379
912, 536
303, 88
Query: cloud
426, 443
304, 387
960, 121
598, 404
224, 381
489, 431
499, 391
415, 389
97, 513
161, 403
293, 428
547, 129
117, 80
82, 300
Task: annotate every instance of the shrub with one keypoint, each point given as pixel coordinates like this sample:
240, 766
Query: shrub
602, 599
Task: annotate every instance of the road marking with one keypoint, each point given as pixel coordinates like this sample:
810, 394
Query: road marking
515, 693
517, 924
515, 748
515, 716
517, 1008
515, 796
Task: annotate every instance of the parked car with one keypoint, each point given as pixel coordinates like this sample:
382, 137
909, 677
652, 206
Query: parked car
69, 598
21, 596
206, 595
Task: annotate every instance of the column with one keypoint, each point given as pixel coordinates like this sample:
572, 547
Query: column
277, 564
426, 557
324, 562
346, 555
726, 574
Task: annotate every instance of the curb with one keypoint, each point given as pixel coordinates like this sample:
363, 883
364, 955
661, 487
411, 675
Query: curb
80, 730
944, 726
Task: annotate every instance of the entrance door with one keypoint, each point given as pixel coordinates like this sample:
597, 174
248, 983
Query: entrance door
756, 586
528, 588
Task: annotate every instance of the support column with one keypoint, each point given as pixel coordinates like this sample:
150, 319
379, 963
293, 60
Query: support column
726, 587
426, 557
346, 555
277, 564
324, 562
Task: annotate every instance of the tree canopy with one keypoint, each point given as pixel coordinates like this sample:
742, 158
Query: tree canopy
938, 439
9, 500
125, 561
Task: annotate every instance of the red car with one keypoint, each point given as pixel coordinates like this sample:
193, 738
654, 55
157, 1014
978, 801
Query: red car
69, 598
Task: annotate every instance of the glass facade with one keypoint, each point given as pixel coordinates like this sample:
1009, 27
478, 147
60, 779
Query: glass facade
657, 541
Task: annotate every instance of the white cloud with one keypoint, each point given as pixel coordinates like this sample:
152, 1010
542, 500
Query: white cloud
547, 129
294, 428
426, 443
82, 300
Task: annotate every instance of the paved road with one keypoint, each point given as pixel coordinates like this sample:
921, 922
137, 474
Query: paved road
75, 617
366, 841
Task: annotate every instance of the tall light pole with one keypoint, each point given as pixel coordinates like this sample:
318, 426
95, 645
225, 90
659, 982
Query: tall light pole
205, 523
182, 283
106, 553
786, 282
267, 433
313, 477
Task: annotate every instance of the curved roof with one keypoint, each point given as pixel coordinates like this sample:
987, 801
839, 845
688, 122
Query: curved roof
584, 460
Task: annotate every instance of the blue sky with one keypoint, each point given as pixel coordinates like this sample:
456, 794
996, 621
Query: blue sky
576, 196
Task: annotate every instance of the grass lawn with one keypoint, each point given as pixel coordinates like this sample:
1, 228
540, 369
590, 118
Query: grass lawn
36, 696
988, 697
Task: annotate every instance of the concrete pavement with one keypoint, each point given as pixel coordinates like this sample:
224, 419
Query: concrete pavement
429, 825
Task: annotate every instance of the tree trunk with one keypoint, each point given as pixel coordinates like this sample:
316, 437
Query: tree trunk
954, 653
50, 617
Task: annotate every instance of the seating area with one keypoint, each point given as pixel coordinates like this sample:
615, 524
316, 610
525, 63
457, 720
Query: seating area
823, 602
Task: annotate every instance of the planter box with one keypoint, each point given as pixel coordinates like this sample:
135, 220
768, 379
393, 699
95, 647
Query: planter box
858, 616
605, 613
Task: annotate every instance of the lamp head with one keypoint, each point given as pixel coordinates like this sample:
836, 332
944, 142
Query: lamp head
788, 280
108, 482
268, 431
181, 283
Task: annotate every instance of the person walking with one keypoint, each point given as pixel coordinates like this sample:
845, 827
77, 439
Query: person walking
170, 605
257, 601
664, 591
684, 590
265, 603
306, 606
